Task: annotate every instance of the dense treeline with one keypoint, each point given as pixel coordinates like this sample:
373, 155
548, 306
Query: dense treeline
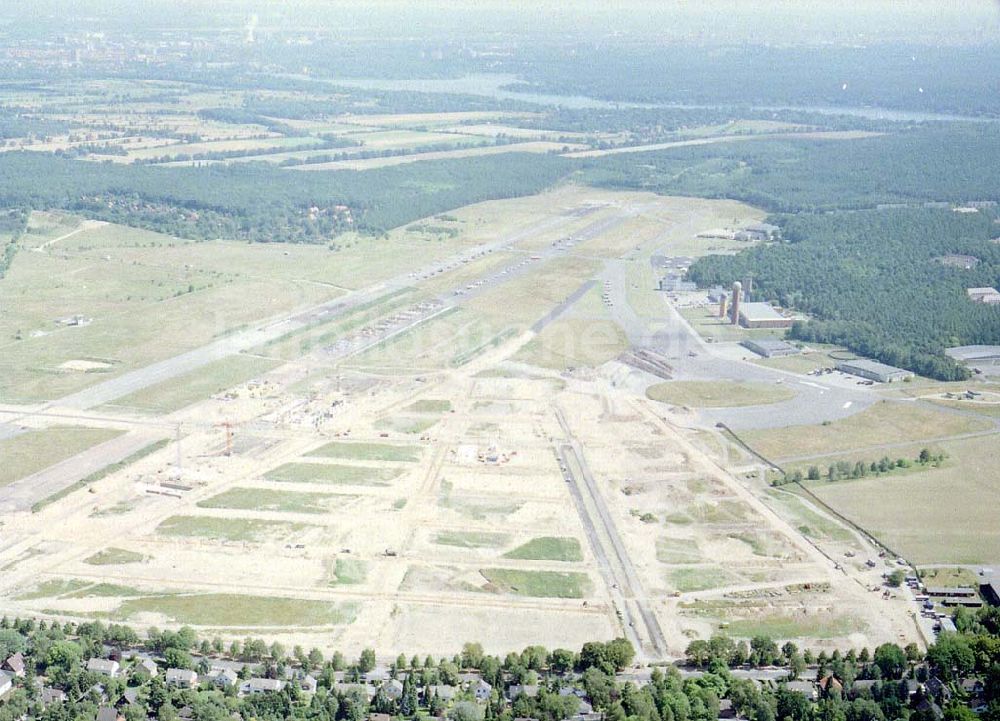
873, 282
16, 124
257, 201
951, 163
240, 116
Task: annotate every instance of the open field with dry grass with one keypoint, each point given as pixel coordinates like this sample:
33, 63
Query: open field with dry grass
707, 394
883, 424
932, 516
36, 450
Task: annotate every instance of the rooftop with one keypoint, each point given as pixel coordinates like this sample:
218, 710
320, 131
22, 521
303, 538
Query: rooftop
871, 366
760, 311
768, 344
973, 352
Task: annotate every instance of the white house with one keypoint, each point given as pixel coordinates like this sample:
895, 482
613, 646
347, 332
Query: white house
181, 678
104, 666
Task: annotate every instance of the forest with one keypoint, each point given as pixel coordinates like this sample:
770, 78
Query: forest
259, 202
934, 163
873, 282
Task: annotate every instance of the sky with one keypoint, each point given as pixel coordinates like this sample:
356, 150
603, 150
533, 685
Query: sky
772, 21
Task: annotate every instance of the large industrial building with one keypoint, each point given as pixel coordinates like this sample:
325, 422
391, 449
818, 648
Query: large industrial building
989, 296
874, 371
976, 356
762, 315
770, 347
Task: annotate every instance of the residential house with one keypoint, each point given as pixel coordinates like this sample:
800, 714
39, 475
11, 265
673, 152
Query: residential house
48, 696
830, 684
14, 664
930, 709
807, 688
391, 689
482, 690
444, 692
517, 690
108, 713
343, 688
223, 677
146, 667
130, 697
263, 685
938, 690
104, 666
181, 678
308, 683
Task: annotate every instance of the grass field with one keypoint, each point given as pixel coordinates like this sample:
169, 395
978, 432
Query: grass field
333, 474
471, 539
368, 451
103, 473
405, 424
54, 588
574, 342
198, 385
883, 423
266, 499
114, 556
803, 362
785, 627
809, 522
708, 325
429, 405
675, 550
949, 577
940, 515
348, 572
151, 296
218, 609
701, 578
548, 548
539, 584
34, 451
716, 394
229, 529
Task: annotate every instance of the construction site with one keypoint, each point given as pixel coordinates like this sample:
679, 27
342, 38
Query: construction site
459, 449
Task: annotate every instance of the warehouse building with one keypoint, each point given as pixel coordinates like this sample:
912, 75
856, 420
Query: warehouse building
976, 356
770, 347
989, 296
762, 315
874, 371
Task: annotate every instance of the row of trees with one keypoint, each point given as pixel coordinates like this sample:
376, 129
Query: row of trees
842, 470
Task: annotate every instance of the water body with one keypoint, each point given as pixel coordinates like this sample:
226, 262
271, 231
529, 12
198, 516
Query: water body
493, 86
